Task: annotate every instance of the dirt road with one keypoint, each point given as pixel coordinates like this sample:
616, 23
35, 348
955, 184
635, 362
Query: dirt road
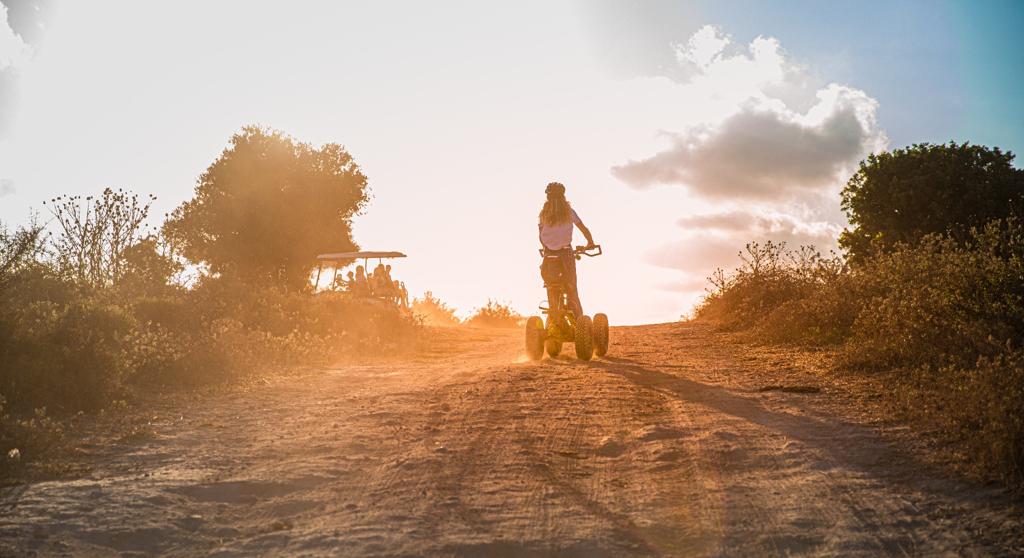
668, 448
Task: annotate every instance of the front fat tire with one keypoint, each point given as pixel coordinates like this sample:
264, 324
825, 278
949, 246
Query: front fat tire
600, 334
553, 347
584, 338
535, 334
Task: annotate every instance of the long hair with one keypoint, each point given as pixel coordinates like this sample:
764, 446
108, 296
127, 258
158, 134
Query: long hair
556, 209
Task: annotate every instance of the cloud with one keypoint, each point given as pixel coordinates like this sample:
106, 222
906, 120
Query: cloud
765, 150
714, 240
766, 143
22, 25
757, 224
703, 49
28, 18
696, 255
14, 50
8, 96
705, 60
6, 187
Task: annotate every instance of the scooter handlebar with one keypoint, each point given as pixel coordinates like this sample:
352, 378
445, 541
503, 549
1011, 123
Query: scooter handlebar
580, 251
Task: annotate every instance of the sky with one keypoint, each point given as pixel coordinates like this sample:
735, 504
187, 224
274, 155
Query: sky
682, 130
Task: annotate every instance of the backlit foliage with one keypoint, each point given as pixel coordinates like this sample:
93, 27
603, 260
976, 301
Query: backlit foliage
267, 206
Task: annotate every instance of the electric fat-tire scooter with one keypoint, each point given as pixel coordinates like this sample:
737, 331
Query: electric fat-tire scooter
561, 326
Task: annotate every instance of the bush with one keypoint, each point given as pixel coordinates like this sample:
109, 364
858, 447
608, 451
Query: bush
18, 250
943, 302
766, 285
69, 346
822, 317
64, 356
947, 313
96, 235
495, 314
26, 439
986, 411
431, 311
253, 329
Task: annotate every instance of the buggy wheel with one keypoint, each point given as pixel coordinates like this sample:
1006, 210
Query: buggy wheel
553, 347
535, 334
600, 334
584, 338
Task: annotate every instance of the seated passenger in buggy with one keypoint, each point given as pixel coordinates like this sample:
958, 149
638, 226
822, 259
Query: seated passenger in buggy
361, 286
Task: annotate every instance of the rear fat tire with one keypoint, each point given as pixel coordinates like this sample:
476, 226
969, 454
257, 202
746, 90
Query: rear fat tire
600, 334
535, 335
553, 347
584, 338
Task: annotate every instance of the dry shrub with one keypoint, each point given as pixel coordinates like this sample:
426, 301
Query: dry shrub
64, 356
69, 346
79, 351
96, 234
823, 317
941, 302
245, 329
26, 439
979, 409
432, 311
986, 411
766, 287
495, 314
949, 314
18, 249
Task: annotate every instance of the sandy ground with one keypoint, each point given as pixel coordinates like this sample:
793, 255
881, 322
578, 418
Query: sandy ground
669, 447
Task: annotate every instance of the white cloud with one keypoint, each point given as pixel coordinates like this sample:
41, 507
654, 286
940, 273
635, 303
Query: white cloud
28, 18
764, 149
22, 25
765, 160
8, 96
704, 47
13, 49
6, 187
713, 240
756, 224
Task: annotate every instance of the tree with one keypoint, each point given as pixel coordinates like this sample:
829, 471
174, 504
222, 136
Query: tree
149, 269
267, 206
94, 234
902, 195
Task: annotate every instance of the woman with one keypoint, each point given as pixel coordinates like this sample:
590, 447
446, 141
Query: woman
556, 222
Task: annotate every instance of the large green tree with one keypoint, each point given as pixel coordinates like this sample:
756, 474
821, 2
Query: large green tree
267, 206
902, 195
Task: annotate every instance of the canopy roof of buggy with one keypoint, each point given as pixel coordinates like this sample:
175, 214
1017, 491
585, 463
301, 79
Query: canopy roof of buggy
337, 256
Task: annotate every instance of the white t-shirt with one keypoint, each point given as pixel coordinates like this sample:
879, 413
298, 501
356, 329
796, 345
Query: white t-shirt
557, 237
